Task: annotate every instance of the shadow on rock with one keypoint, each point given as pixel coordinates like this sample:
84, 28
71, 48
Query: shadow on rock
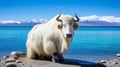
82, 63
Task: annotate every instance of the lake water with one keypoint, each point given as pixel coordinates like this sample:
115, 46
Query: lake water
89, 43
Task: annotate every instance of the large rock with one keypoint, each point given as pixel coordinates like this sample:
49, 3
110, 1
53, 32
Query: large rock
10, 60
118, 55
10, 65
17, 53
102, 61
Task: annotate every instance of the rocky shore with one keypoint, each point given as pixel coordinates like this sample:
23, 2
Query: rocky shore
112, 62
18, 59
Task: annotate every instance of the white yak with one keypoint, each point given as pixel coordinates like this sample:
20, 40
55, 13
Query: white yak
51, 39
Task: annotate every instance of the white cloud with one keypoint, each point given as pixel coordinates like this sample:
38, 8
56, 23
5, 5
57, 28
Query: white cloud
101, 18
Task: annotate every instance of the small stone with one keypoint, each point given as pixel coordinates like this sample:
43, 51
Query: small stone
119, 58
10, 65
2, 62
102, 61
15, 57
10, 60
114, 62
17, 53
5, 56
18, 61
118, 55
108, 62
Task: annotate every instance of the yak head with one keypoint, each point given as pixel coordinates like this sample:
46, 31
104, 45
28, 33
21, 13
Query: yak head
67, 25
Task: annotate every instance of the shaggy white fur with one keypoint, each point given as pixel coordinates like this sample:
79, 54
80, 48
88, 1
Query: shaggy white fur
46, 39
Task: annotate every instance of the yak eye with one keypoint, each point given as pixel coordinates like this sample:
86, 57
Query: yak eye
59, 26
75, 26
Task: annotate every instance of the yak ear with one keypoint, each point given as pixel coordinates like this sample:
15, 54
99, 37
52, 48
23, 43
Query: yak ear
75, 26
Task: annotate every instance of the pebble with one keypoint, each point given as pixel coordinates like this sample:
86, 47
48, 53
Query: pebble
118, 55
18, 61
10, 60
5, 56
2, 62
15, 57
10, 65
17, 53
119, 58
114, 62
102, 61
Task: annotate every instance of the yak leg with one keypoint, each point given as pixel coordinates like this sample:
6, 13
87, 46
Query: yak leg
55, 58
31, 54
49, 58
61, 58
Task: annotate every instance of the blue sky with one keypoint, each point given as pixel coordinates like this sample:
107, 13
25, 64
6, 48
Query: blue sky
30, 9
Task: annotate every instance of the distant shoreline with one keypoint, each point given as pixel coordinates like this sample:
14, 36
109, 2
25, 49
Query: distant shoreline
34, 25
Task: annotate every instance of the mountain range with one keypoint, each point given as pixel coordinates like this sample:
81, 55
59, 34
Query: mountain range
92, 20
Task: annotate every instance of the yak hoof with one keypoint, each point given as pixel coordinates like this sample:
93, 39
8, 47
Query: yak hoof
55, 58
61, 59
35, 57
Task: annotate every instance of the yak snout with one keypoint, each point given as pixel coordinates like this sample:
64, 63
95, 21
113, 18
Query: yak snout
68, 35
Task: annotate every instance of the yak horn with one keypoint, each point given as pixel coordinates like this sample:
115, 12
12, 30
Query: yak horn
58, 18
77, 19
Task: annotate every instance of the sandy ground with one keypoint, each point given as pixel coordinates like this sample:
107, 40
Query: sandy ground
16, 61
24, 62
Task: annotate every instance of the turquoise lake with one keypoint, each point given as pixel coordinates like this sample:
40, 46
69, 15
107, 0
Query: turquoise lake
89, 43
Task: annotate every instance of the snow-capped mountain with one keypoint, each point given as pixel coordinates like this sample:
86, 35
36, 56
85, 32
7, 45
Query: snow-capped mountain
92, 20
22, 23
100, 20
